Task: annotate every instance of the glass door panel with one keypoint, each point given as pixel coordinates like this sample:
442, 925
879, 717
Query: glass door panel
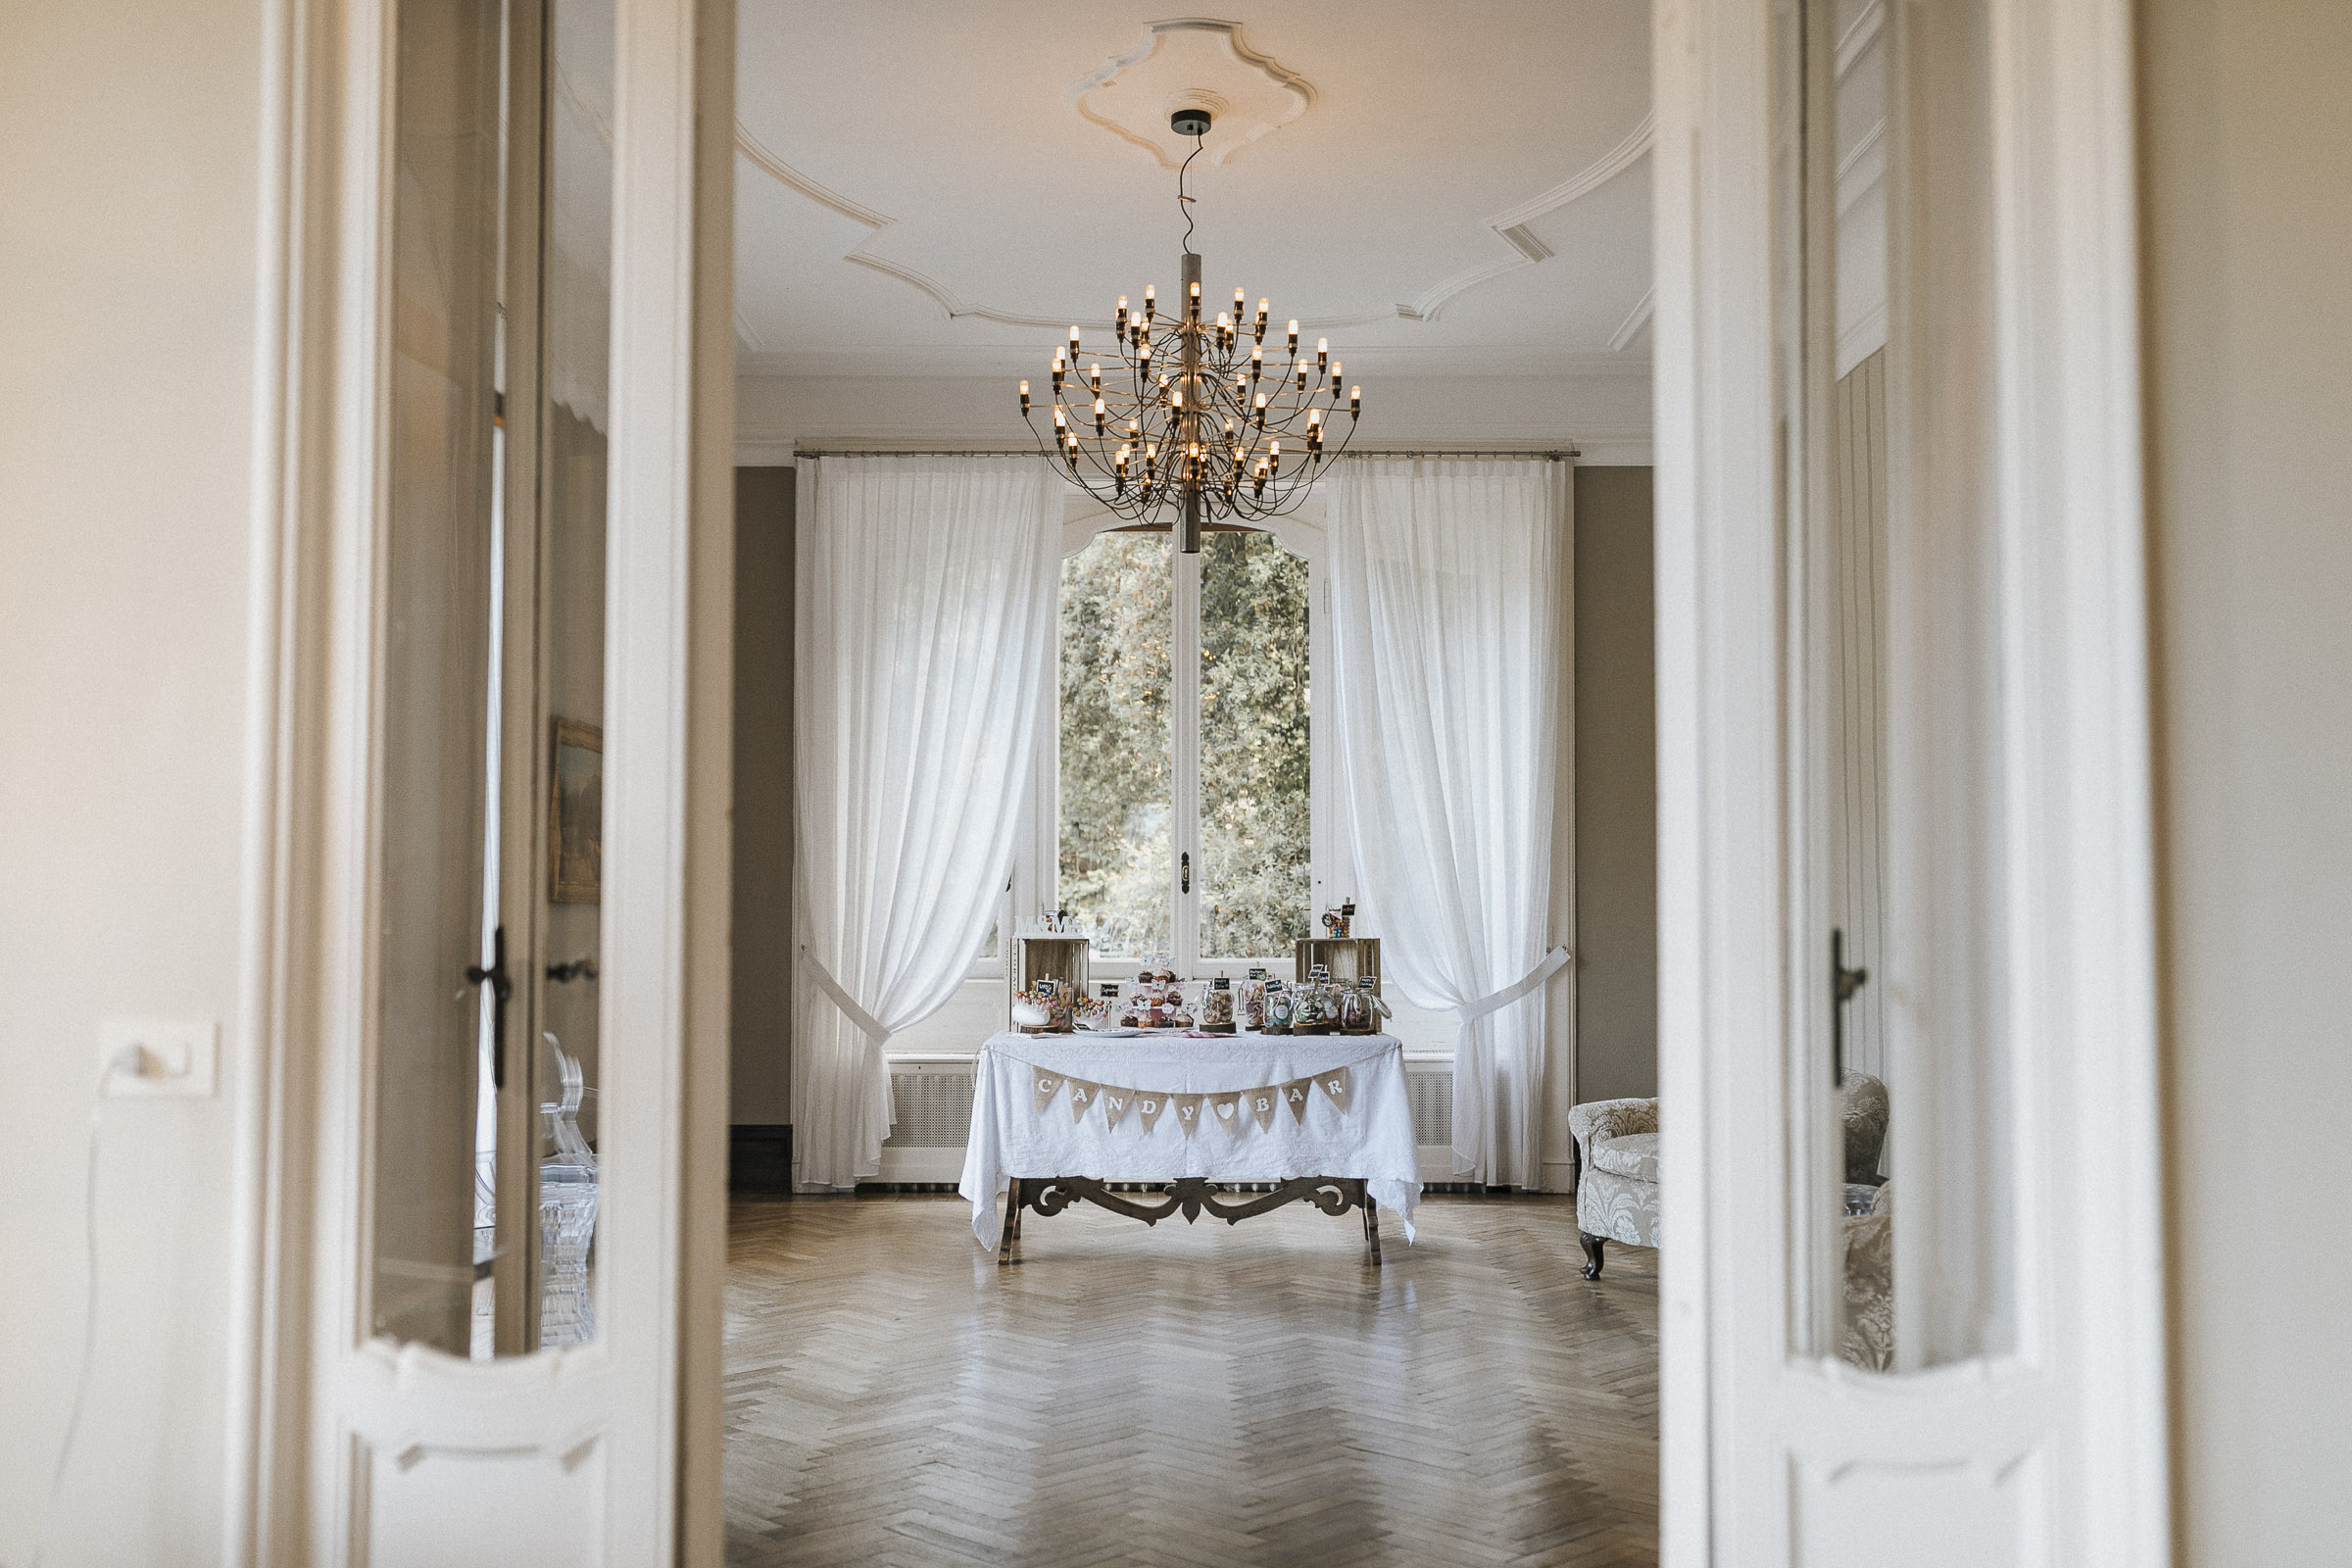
438, 529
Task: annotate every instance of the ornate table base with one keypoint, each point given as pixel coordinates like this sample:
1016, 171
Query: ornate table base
1190, 1196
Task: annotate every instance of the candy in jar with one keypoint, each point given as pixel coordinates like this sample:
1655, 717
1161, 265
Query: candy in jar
1216, 1007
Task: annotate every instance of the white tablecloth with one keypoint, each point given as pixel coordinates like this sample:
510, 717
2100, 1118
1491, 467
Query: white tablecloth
1371, 1139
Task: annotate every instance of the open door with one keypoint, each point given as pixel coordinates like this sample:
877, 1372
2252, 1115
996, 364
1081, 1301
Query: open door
517, 1174
1912, 1287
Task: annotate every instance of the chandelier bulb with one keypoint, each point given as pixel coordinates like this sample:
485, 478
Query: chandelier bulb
1293, 334
1024, 400
1355, 401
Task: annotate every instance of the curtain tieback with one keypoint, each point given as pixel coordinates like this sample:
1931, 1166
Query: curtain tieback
844, 1001
1533, 980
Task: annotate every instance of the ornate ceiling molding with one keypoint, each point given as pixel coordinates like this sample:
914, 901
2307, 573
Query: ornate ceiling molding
1191, 62
1510, 225
1635, 321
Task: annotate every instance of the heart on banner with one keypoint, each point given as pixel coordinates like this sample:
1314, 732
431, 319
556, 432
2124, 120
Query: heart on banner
1229, 1111
1294, 1094
1335, 1084
1114, 1103
1046, 1084
1263, 1105
1188, 1112
1082, 1096
1147, 1108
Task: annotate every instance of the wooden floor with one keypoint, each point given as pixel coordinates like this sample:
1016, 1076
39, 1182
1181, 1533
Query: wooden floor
1186, 1395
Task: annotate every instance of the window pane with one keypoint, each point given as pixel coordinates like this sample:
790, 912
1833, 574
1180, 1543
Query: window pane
1255, 845
1115, 774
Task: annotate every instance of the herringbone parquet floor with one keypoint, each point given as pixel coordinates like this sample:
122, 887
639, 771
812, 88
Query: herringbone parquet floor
1186, 1395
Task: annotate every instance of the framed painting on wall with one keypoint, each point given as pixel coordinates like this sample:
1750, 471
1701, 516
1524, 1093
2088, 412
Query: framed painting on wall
575, 817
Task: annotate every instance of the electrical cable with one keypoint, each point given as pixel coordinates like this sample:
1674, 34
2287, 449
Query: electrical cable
128, 1060
1184, 203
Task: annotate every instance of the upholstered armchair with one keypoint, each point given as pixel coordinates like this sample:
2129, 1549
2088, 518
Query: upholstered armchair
1617, 1156
1617, 1179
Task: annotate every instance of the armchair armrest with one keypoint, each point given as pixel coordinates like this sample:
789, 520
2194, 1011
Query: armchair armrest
1609, 1118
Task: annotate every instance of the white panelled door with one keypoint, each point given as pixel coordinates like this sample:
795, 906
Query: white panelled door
2021, 1419
433, 136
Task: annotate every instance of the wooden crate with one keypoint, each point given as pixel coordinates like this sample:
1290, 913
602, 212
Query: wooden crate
1035, 958
1349, 958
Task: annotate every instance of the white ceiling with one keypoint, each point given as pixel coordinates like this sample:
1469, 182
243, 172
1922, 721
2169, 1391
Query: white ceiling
920, 189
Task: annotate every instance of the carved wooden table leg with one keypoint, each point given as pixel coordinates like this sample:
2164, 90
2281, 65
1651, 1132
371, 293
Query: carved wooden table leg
1188, 1195
1012, 1229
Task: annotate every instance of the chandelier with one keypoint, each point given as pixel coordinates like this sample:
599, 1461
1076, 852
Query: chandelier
1188, 416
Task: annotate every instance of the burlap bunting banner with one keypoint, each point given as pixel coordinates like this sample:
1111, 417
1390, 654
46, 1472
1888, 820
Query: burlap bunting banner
1229, 1110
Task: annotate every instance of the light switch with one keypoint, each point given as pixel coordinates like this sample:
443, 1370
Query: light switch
176, 1056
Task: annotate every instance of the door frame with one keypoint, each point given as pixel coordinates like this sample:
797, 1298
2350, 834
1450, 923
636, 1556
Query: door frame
309, 1395
2081, 1405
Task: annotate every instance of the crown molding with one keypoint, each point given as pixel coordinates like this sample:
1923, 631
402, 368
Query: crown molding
1508, 226
1635, 320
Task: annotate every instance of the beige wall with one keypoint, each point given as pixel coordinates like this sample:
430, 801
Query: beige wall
128, 159
1616, 787
763, 969
2247, 140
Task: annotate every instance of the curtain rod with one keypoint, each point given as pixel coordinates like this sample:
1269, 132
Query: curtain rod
1547, 454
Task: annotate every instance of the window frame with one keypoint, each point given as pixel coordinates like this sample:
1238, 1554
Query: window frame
1037, 859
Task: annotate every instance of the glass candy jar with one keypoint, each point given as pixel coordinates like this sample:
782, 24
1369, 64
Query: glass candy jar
1356, 1012
1278, 1008
1216, 1007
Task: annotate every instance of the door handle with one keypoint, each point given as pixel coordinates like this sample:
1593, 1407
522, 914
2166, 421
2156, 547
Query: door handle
1843, 983
1184, 872
502, 986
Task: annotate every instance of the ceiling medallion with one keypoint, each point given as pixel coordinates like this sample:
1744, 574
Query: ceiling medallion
1192, 62
1188, 427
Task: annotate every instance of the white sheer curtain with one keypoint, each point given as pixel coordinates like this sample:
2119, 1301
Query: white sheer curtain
926, 596
1445, 704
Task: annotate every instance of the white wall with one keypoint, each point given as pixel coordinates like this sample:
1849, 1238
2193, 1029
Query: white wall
128, 161
2248, 228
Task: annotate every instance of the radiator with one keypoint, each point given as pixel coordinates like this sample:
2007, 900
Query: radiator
931, 1112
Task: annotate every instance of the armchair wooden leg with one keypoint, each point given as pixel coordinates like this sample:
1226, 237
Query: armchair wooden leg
1592, 1245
